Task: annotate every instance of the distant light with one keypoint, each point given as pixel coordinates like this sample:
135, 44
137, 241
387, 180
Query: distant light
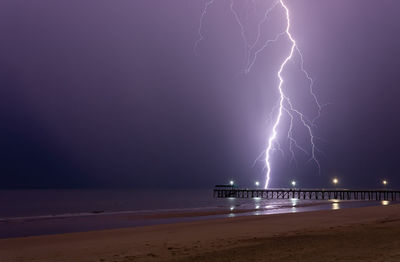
385, 203
293, 183
257, 207
257, 183
384, 182
232, 208
231, 182
335, 181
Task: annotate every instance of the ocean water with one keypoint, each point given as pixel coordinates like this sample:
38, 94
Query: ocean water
36, 212
22, 203
28, 203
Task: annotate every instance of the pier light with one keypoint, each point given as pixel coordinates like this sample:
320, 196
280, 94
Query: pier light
384, 182
257, 183
231, 182
335, 181
293, 183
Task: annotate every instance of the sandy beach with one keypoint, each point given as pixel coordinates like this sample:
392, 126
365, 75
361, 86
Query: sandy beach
356, 234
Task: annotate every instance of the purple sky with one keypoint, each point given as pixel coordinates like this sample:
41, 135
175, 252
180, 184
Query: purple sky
110, 93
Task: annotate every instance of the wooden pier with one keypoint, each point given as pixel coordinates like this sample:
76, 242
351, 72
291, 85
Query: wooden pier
310, 194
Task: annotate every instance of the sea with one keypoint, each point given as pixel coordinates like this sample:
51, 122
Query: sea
37, 212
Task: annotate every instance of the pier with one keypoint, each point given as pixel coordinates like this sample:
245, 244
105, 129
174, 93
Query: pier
310, 194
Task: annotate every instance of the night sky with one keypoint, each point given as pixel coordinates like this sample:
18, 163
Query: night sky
98, 94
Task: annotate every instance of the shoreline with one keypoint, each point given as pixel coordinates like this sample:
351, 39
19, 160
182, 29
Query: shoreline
356, 231
100, 220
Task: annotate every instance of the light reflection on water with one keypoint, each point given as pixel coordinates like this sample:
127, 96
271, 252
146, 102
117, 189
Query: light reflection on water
335, 204
260, 206
32, 203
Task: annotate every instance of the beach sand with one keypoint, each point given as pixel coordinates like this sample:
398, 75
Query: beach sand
355, 234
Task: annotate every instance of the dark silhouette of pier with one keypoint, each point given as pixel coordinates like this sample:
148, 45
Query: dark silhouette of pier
311, 194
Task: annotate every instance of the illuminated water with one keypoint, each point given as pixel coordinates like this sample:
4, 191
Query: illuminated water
35, 212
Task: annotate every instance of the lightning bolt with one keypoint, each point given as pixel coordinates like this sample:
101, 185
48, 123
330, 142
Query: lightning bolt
200, 30
284, 106
242, 28
251, 62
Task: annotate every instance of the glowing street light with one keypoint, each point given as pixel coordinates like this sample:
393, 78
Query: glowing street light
385, 182
293, 183
231, 182
257, 183
335, 181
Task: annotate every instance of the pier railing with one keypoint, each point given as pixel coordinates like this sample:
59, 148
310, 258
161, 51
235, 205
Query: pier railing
311, 194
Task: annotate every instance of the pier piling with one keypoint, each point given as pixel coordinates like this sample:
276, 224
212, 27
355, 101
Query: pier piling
311, 194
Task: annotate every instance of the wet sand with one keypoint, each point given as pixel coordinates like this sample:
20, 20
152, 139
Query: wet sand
72, 223
356, 234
